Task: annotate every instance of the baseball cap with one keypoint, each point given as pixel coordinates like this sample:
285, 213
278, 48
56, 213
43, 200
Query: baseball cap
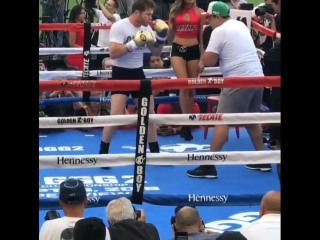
218, 9
72, 191
231, 235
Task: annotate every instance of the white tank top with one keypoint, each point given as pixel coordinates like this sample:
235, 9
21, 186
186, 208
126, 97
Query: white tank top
122, 32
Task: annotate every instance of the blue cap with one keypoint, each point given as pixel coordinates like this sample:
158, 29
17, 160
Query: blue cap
72, 191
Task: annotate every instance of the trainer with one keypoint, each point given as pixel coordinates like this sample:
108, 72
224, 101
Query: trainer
231, 43
128, 38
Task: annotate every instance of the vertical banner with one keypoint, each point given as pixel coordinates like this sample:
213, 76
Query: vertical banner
86, 58
141, 142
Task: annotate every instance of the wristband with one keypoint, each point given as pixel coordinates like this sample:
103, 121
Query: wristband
131, 45
160, 40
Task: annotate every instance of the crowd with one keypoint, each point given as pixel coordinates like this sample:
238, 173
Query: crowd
126, 222
228, 48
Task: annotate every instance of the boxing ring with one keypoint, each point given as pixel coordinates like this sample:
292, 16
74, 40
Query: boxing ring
166, 182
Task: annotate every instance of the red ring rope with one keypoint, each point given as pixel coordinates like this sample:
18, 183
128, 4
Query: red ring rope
78, 26
182, 83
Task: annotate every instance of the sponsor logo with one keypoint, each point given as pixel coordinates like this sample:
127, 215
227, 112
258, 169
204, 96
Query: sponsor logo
234, 222
208, 198
76, 161
187, 27
75, 120
79, 84
100, 25
209, 157
96, 186
206, 117
61, 149
205, 81
93, 200
86, 63
104, 73
140, 152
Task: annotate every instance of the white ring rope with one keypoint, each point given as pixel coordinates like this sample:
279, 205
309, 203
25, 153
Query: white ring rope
150, 73
169, 119
174, 159
96, 50
93, 50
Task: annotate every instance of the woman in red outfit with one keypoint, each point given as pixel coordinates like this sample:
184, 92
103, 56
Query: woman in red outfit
186, 22
77, 15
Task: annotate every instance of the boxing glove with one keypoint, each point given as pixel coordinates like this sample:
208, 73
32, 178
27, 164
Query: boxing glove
161, 29
141, 38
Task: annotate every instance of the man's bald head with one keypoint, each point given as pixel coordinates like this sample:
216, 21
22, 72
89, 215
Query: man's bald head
187, 217
271, 202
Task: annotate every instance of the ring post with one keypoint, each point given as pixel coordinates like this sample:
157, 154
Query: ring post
141, 142
86, 58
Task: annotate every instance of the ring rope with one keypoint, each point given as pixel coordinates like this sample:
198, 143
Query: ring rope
161, 159
99, 50
161, 84
150, 73
98, 26
157, 100
183, 119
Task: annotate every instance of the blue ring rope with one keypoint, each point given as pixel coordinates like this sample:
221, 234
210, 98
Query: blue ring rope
158, 100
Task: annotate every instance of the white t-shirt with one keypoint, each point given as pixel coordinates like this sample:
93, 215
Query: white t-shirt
266, 228
103, 40
122, 32
60, 229
237, 52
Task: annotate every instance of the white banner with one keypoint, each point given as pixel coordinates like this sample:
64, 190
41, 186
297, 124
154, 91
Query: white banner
93, 50
160, 159
242, 15
168, 119
150, 73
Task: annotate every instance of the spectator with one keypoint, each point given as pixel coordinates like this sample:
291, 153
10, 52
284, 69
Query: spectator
106, 65
89, 108
274, 20
234, 4
65, 109
125, 8
53, 12
89, 229
125, 224
156, 62
107, 15
271, 67
42, 66
188, 220
72, 199
76, 38
268, 226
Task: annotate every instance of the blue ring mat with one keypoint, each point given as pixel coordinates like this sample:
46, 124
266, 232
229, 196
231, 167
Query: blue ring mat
242, 188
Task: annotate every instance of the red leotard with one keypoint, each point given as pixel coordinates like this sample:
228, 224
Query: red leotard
187, 29
77, 59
